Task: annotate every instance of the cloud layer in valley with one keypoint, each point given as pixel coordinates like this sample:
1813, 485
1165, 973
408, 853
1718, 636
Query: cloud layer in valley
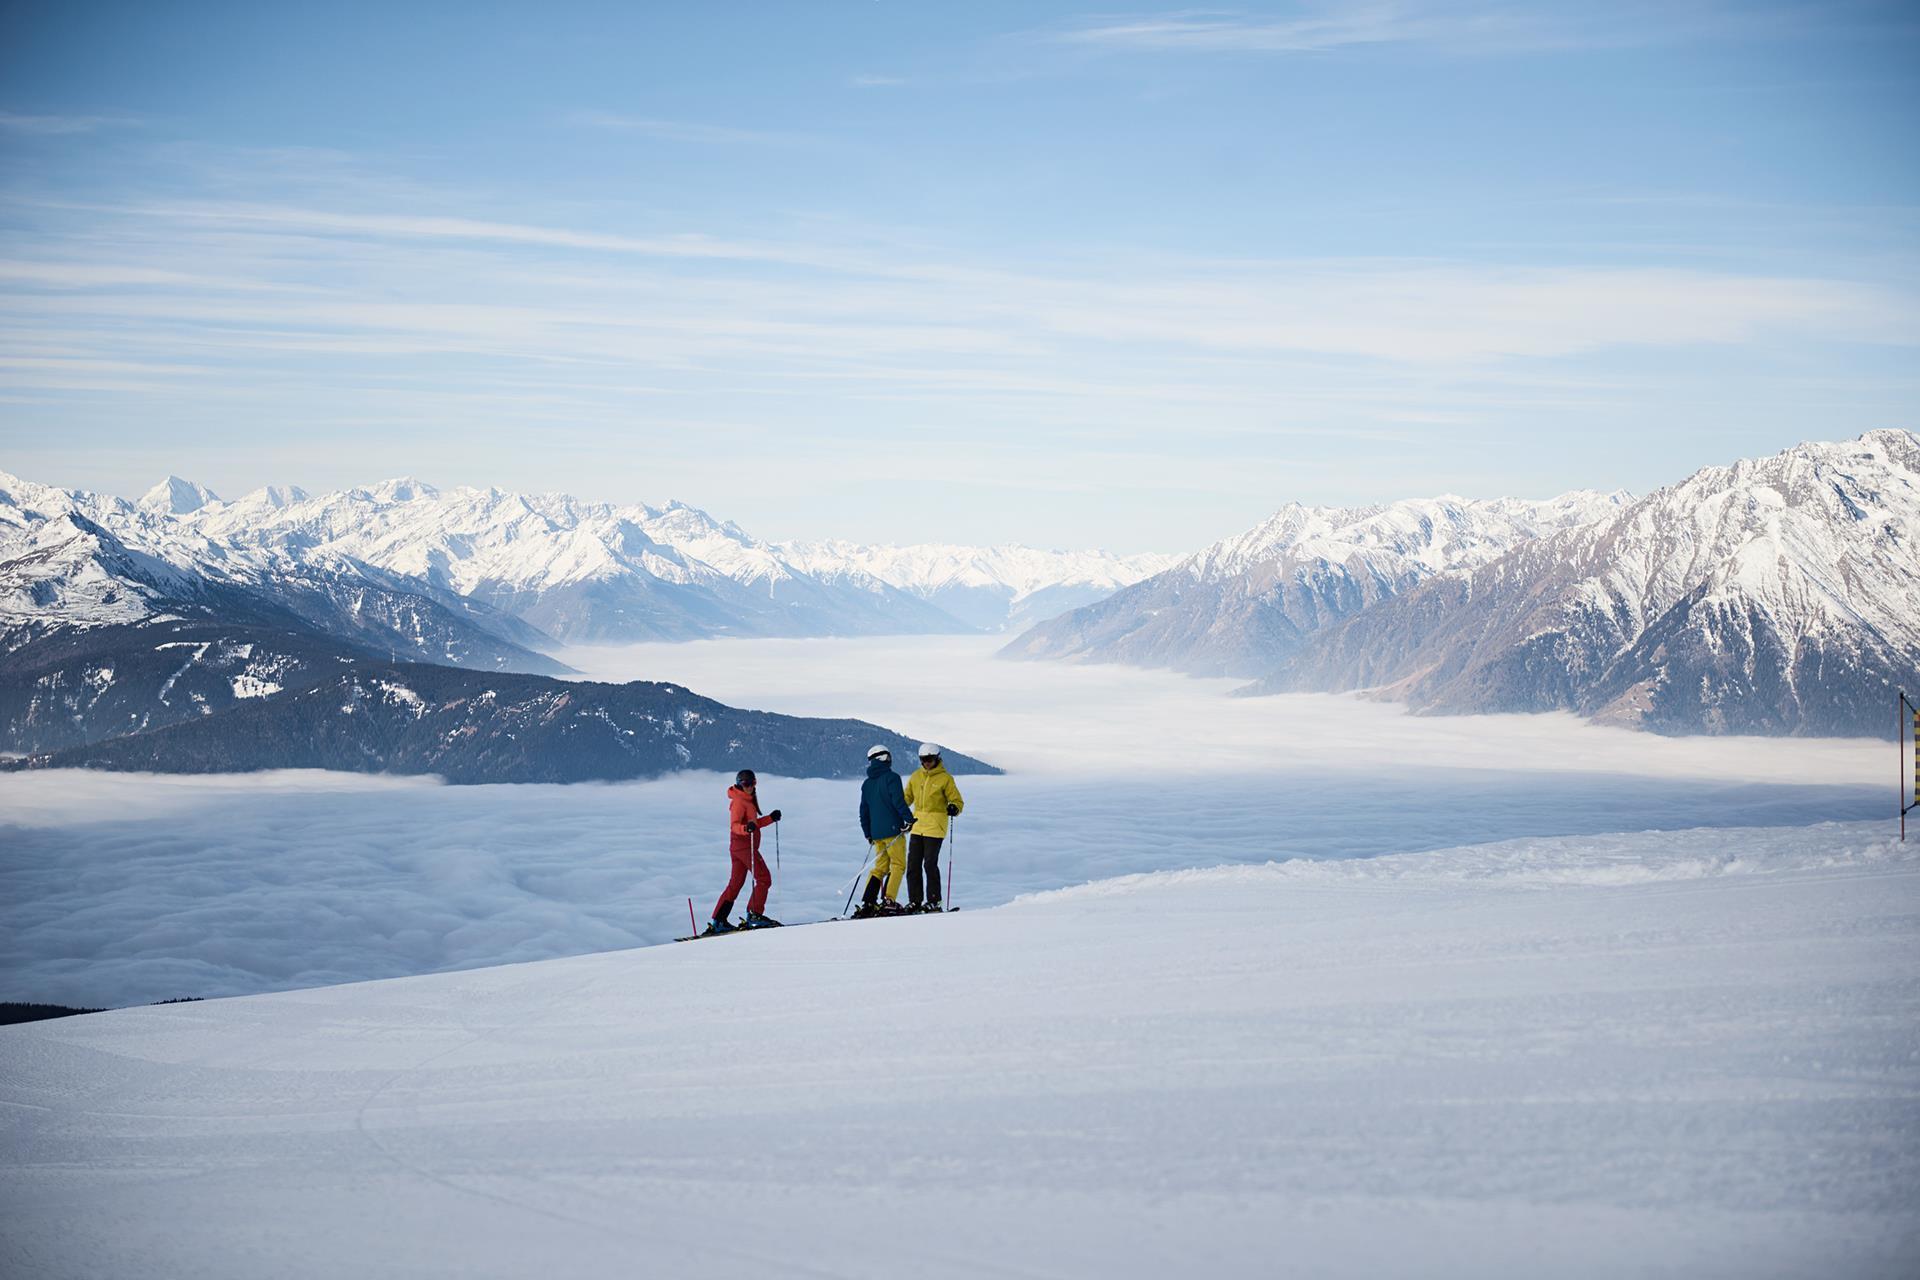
123, 888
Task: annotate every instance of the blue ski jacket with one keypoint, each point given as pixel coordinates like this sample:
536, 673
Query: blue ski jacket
883, 803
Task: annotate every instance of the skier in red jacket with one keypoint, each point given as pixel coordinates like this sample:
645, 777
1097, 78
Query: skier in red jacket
744, 825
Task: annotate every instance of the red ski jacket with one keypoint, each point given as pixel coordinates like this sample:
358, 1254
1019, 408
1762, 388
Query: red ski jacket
744, 822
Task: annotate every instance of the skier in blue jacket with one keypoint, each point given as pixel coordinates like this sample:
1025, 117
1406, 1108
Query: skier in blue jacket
885, 818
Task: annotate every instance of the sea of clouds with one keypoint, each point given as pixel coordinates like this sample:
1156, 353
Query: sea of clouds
117, 889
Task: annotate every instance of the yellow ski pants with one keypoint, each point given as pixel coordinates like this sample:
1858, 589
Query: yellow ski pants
890, 863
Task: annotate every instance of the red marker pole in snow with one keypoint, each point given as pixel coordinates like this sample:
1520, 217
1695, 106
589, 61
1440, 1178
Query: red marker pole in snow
694, 924
1900, 749
1899, 758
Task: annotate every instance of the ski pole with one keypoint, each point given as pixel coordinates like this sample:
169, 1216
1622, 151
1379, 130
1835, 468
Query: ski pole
779, 897
953, 839
855, 886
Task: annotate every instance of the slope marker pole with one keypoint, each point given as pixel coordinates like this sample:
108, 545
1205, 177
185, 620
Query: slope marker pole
694, 924
1900, 750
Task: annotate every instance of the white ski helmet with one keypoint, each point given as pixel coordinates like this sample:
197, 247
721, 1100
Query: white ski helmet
879, 749
929, 749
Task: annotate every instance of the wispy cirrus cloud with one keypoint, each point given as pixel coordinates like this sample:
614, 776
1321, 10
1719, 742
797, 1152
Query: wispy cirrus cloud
1317, 28
378, 226
96, 275
1454, 25
560, 294
385, 319
47, 126
688, 131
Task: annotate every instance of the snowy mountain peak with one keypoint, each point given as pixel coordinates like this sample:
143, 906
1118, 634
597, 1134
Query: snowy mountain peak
1415, 536
1893, 444
401, 489
273, 497
176, 497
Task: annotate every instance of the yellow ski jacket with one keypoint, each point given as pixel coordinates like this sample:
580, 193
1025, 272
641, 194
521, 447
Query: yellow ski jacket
930, 793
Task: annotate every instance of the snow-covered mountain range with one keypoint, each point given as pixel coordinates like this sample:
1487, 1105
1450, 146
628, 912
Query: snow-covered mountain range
184, 631
532, 569
71, 560
1238, 606
1775, 595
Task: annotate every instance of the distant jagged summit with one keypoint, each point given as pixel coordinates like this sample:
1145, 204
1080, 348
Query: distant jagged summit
176, 497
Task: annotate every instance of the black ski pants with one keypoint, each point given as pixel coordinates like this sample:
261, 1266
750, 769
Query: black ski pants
923, 859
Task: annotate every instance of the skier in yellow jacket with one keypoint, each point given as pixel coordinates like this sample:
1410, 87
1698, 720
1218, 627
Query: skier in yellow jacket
935, 798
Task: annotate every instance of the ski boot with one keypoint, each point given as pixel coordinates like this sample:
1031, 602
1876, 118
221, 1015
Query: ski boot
755, 920
717, 926
891, 908
933, 907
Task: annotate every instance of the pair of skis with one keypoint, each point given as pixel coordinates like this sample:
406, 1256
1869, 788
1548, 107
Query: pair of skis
739, 928
756, 928
861, 913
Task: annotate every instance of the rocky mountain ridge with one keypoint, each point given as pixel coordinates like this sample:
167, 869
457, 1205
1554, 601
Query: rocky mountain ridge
491, 727
1772, 595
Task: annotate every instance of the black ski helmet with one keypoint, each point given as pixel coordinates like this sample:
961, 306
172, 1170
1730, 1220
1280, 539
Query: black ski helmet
744, 778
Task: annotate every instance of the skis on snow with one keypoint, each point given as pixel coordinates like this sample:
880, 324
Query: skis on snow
742, 927
774, 924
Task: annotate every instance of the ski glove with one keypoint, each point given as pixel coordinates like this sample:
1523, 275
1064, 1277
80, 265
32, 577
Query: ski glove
953, 811
774, 816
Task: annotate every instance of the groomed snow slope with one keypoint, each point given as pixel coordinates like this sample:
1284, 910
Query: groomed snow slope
1691, 1054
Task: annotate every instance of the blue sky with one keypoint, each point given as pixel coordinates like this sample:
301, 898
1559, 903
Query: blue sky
1070, 276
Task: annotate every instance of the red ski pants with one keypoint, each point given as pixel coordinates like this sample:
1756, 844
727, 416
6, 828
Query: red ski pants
762, 881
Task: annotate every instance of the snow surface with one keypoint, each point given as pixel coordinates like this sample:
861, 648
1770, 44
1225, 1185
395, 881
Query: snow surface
1694, 1054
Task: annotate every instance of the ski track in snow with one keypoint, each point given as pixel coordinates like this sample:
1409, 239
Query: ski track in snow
1506, 1061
